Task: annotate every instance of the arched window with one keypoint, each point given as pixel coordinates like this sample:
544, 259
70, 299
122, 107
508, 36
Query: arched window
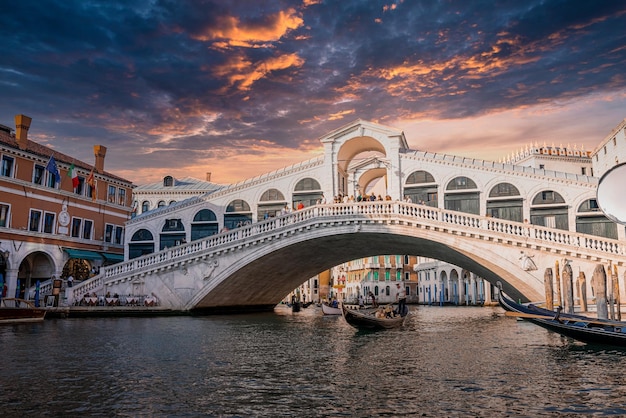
145, 206
419, 177
141, 243
505, 202
168, 181
172, 233
272, 195
161, 204
421, 188
307, 184
461, 183
307, 191
142, 235
238, 205
504, 190
237, 214
462, 195
590, 220
204, 224
548, 209
271, 204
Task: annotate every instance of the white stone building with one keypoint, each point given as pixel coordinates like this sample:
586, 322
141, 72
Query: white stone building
147, 197
611, 151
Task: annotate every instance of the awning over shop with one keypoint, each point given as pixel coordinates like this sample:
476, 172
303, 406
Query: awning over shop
113, 257
82, 254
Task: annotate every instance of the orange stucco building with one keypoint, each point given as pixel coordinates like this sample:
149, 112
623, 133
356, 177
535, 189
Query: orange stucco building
56, 226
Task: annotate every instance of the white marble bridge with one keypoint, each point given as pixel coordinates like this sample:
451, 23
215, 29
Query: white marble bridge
255, 266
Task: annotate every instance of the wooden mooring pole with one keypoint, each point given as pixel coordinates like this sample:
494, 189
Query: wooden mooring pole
568, 288
559, 300
598, 282
582, 291
547, 282
616, 295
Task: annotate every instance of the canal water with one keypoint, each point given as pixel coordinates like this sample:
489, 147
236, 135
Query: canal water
446, 362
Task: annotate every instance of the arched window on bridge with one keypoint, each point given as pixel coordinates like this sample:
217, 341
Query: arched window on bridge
161, 204
307, 191
462, 195
591, 220
237, 214
141, 243
172, 234
420, 186
270, 204
204, 224
548, 209
145, 206
505, 202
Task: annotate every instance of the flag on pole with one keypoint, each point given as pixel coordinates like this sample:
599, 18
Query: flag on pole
53, 169
74, 175
92, 186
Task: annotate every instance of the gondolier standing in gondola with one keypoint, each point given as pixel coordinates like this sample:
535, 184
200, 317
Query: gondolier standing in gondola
371, 295
401, 297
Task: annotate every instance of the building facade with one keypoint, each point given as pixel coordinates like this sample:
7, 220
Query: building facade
442, 283
377, 274
611, 151
59, 216
151, 196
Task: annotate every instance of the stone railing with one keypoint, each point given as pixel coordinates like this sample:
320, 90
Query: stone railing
384, 212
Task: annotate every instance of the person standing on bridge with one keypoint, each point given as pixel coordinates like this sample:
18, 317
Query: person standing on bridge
401, 297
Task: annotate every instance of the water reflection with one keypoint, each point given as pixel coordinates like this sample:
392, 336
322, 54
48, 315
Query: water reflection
444, 362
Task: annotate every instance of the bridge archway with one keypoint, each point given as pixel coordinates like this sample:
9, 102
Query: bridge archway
38, 265
265, 276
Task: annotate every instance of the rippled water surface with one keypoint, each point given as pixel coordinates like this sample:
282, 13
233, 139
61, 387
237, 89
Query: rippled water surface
445, 362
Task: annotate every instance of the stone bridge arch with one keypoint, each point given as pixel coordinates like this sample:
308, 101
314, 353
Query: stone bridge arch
257, 265
264, 275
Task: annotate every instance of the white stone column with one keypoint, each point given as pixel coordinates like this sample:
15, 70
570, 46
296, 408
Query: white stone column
10, 278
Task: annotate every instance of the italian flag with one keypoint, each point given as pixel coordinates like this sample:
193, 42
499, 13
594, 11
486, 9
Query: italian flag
74, 175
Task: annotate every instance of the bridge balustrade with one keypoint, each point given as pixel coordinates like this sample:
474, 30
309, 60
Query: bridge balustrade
408, 211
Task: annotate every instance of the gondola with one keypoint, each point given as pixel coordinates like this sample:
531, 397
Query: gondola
13, 310
329, 310
578, 327
366, 318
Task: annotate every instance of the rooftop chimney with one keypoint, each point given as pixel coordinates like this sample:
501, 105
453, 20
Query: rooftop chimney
22, 124
100, 151
208, 176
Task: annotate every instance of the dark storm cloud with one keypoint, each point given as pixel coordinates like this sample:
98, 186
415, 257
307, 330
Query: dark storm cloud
160, 78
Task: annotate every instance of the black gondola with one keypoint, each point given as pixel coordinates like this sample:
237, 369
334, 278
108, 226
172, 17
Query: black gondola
366, 318
578, 327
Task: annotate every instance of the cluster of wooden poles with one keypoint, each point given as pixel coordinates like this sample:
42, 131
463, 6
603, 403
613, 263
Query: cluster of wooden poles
607, 298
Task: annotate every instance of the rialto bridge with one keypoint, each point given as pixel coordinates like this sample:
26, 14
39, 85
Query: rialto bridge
244, 246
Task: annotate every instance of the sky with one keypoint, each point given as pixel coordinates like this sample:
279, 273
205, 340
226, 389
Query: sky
241, 88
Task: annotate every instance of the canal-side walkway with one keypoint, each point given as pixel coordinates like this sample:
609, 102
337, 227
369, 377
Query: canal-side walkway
110, 311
